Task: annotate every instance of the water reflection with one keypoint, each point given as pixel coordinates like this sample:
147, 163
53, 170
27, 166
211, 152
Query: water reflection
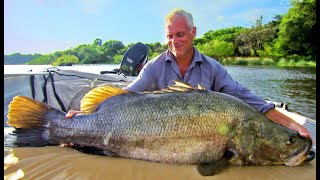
54, 162
294, 86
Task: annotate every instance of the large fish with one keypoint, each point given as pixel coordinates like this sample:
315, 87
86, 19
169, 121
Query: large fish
177, 125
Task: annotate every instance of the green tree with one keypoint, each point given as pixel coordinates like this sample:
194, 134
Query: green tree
201, 40
42, 60
155, 49
297, 30
226, 34
117, 59
66, 60
89, 54
17, 58
97, 42
110, 49
217, 49
113, 47
252, 40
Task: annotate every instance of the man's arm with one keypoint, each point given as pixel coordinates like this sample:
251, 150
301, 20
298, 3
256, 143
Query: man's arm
284, 120
144, 81
224, 83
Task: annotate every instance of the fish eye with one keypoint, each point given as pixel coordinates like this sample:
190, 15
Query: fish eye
292, 139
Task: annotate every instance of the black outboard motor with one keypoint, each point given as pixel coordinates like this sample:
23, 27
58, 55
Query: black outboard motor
133, 60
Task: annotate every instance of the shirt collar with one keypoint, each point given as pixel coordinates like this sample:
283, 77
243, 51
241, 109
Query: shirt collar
196, 56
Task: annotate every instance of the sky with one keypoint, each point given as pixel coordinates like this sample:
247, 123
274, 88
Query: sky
47, 26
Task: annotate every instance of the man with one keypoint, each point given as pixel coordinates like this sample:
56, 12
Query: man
182, 61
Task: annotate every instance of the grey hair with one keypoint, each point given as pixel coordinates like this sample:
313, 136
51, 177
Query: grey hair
180, 12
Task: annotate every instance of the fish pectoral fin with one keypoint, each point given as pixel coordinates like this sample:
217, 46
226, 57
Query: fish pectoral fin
94, 151
96, 96
212, 168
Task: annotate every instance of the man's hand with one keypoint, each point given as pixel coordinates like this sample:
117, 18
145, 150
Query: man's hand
72, 113
67, 144
286, 121
69, 115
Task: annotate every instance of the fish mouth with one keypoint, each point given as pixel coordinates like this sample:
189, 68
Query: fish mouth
301, 155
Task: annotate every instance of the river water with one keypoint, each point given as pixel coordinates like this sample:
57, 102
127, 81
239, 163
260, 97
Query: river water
293, 86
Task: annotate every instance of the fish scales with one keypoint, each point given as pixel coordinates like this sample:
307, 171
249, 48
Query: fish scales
153, 127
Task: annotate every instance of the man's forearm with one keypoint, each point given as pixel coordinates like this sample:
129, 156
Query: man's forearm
286, 121
280, 118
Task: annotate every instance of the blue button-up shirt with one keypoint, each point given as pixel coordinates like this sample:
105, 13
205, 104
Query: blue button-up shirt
159, 72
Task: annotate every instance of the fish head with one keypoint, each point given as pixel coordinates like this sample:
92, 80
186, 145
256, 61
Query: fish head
279, 145
299, 153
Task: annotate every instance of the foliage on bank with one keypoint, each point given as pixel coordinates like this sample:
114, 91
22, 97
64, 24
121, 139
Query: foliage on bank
253, 61
17, 58
288, 40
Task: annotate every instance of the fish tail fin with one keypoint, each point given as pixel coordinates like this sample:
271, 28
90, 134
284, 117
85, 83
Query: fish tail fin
28, 117
26, 138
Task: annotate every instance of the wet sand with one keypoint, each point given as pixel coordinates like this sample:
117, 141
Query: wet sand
56, 162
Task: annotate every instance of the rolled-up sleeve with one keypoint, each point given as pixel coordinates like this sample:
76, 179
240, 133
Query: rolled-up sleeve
225, 84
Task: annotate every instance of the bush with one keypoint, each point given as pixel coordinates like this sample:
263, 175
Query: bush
268, 62
117, 59
66, 60
255, 62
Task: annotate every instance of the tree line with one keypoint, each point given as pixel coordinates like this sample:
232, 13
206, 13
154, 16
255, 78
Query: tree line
290, 36
17, 58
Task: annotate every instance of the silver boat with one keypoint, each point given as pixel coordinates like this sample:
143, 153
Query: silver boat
63, 89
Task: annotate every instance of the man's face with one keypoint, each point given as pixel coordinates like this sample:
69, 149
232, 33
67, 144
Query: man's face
180, 37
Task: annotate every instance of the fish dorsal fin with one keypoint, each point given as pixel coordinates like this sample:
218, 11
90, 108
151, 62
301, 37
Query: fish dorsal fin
96, 96
201, 87
183, 84
179, 86
162, 91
